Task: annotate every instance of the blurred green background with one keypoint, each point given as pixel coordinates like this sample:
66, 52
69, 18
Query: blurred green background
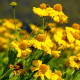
24, 9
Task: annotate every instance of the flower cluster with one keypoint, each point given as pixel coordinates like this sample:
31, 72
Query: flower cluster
6, 30
43, 71
49, 52
68, 37
74, 61
55, 13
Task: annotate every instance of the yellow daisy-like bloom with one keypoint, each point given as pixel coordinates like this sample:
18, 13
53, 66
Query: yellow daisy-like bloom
70, 37
40, 12
23, 45
65, 38
34, 28
24, 34
55, 13
3, 40
58, 38
69, 32
72, 34
75, 61
77, 43
57, 16
43, 70
56, 54
9, 23
42, 42
24, 53
8, 35
21, 48
52, 27
57, 75
58, 72
2, 29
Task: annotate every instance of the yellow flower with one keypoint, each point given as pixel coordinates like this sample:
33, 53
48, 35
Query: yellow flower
42, 42
77, 42
57, 7
70, 29
58, 72
41, 37
56, 19
55, 13
72, 34
43, 6
24, 53
5, 46
23, 45
75, 61
58, 38
4, 40
70, 37
9, 23
56, 77
8, 35
34, 28
56, 54
2, 29
52, 25
75, 26
21, 48
40, 12
53, 29
43, 69
57, 16
65, 38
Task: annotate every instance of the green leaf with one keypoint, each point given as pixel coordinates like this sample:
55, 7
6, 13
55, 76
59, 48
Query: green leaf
11, 75
15, 78
69, 73
77, 76
1, 70
33, 78
12, 55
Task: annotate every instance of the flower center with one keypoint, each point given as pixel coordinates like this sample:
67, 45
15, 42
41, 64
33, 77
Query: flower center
23, 46
57, 7
44, 68
41, 37
43, 6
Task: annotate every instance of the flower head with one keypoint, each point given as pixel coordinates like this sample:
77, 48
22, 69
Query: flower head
75, 61
75, 26
13, 4
43, 70
57, 7
41, 37
43, 6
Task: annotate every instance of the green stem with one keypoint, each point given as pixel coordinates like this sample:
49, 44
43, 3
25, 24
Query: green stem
43, 22
18, 35
14, 18
6, 74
